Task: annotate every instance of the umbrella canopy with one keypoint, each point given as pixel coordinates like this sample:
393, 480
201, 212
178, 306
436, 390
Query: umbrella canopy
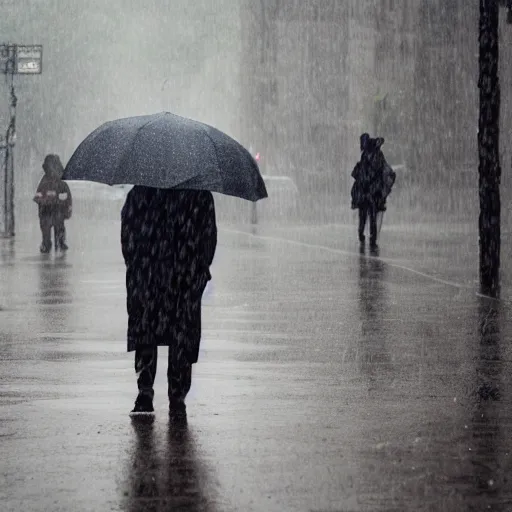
166, 151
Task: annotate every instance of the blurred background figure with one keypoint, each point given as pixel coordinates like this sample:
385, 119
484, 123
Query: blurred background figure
374, 179
54, 200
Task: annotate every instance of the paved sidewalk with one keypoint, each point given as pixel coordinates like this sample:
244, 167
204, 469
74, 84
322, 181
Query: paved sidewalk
327, 380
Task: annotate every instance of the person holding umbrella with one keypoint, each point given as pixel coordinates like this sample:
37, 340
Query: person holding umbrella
168, 240
168, 230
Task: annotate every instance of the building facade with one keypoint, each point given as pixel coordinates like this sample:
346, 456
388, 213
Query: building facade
316, 74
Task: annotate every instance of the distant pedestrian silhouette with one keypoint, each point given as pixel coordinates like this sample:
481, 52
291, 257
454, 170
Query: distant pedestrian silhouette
374, 180
55, 204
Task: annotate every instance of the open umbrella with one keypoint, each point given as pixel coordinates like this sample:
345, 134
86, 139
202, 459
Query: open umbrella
166, 151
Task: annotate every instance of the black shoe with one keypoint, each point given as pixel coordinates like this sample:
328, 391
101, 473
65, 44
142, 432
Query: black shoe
63, 247
143, 405
177, 412
177, 405
362, 238
45, 248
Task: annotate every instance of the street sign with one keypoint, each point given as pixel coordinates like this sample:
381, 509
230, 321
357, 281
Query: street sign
29, 59
21, 59
15, 59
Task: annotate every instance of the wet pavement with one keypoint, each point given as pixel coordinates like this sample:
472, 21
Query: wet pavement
328, 380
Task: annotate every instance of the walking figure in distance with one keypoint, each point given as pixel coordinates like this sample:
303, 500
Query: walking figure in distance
54, 200
374, 180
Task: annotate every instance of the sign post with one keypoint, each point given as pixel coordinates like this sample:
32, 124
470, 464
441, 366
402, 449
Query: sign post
14, 60
254, 208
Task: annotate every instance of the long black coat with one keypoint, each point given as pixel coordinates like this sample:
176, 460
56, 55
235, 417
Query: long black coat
168, 239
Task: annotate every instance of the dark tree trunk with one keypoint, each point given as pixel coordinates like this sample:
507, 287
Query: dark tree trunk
488, 148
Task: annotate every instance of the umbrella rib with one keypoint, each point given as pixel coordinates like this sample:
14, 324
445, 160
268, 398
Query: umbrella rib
121, 166
214, 146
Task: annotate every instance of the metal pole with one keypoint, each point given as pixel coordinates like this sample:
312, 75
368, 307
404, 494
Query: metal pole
10, 190
17, 59
488, 147
9, 145
10, 163
6, 188
10, 138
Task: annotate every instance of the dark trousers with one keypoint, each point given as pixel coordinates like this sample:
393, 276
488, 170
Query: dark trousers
368, 209
179, 378
57, 222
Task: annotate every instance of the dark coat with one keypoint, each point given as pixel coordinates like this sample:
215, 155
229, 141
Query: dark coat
168, 240
374, 178
53, 195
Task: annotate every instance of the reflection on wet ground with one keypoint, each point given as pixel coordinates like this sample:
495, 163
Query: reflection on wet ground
164, 470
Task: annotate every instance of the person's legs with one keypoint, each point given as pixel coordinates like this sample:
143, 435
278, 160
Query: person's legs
45, 222
60, 233
145, 366
363, 213
179, 380
373, 224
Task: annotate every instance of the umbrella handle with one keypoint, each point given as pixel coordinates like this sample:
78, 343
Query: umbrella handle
380, 218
